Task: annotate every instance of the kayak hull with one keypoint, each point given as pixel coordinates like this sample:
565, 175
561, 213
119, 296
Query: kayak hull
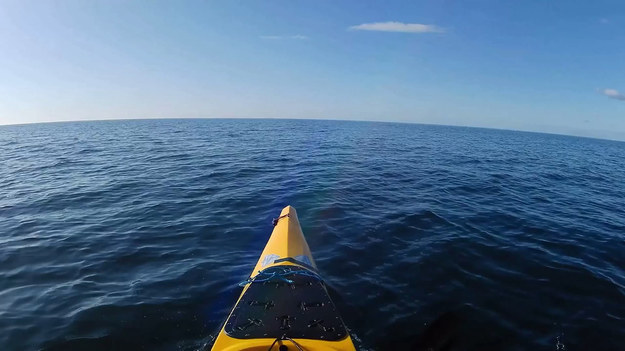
285, 300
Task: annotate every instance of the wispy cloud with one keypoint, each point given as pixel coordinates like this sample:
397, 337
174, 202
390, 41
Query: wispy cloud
614, 94
399, 27
604, 20
284, 37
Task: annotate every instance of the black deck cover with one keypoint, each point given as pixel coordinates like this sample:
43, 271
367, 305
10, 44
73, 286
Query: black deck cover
271, 309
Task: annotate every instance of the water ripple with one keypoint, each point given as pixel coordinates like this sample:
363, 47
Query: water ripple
132, 235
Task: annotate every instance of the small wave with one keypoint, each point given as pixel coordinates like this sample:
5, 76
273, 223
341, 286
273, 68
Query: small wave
133, 234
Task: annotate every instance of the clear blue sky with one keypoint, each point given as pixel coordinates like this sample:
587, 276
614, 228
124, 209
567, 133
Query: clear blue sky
553, 66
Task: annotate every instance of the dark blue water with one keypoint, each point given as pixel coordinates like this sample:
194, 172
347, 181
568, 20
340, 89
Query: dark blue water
132, 235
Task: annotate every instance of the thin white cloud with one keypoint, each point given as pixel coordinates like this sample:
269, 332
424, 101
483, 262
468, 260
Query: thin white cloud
399, 27
283, 37
614, 94
604, 21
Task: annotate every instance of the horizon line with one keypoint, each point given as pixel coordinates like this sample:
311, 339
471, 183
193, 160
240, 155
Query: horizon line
310, 119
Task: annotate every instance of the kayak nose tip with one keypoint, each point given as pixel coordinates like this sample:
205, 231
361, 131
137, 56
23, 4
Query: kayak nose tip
290, 210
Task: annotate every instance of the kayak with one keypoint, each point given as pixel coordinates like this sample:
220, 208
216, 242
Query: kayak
285, 304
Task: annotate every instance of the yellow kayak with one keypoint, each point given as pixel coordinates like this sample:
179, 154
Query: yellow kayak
284, 304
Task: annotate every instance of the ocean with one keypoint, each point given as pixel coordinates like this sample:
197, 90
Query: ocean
133, 235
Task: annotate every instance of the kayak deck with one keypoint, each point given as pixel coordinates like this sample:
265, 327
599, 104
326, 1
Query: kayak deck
284, 302
299, 308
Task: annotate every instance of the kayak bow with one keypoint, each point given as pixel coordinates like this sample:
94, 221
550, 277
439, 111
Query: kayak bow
284, 304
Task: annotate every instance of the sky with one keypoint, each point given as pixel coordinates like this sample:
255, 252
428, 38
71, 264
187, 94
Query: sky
548, 66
